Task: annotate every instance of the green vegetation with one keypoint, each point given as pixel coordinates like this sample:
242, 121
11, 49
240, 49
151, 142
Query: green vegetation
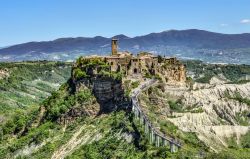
230, 154
79, 74
19, 132
129, 85
61, 101
135, 84
110, 146
207, 77
230, 71
28, 84
160, 58
86, 68
175, 105
148, 75
151, 76
17, 123
239, 82
192, 145
113, 135
237, 97
245, 141
235, 151
243, 117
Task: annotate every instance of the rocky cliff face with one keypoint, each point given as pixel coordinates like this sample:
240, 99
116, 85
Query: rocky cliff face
92, 109
108, 92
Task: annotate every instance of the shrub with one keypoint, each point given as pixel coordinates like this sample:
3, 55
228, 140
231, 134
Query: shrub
245, 140
135, 84
175, 105
79, 74
83, 95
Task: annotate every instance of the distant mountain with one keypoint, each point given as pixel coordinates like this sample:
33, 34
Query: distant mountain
199, 44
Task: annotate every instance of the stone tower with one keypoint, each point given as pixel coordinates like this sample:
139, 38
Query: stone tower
114, 45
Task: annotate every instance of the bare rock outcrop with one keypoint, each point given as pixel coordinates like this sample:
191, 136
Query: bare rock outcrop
220, 117
4, 73
88, 109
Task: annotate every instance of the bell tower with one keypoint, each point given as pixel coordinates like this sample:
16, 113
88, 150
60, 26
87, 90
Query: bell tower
114, 45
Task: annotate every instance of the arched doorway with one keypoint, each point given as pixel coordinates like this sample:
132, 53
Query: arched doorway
135, 70
119, 68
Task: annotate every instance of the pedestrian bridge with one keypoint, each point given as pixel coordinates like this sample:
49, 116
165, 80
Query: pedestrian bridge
155, 137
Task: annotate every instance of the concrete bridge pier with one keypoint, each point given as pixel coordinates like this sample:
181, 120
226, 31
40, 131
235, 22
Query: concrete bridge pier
141, 119
136, 113
152, 136
172, 147
157, 143
163, 142
146, 127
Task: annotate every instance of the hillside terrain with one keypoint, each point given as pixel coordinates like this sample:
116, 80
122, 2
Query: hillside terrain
26, 84
186, 44
73, 121
217, 114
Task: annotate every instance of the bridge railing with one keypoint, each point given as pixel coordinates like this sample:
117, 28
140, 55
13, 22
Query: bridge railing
154, 136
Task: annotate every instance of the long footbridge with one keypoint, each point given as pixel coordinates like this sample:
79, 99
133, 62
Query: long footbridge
155, 137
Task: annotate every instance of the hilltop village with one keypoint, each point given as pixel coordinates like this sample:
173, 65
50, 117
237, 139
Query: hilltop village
107, 76
140, 66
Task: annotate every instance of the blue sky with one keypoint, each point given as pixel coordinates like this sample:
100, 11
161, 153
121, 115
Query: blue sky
38, 20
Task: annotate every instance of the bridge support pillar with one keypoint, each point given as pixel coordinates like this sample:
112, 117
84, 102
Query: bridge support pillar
172, 147
164, 142
141, 119
151, 136
157, 141
136, 113
146, 127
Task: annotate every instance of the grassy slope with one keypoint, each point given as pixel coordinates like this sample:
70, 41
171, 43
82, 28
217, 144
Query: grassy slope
50, 138
29, 84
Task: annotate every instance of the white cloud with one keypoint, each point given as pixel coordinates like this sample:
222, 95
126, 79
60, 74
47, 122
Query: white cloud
223, 25
245, 21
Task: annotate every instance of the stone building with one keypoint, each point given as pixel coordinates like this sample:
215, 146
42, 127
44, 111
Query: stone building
170, 69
